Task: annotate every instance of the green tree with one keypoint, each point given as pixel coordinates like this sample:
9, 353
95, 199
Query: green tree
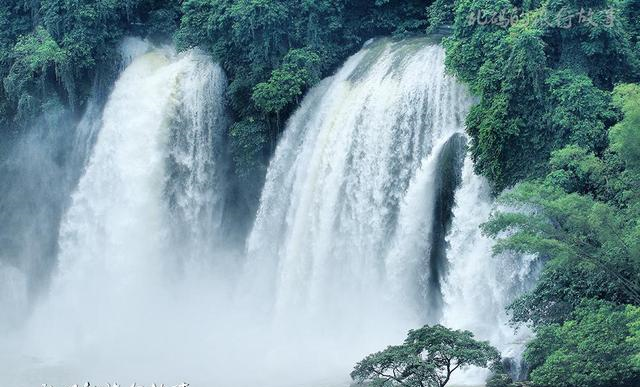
53, 51
579, 112
596, 348
37, 57
299, 70
582, 220
590, 248
440, 13
542, 77
275, 50
500, 379
625, 136
428, 358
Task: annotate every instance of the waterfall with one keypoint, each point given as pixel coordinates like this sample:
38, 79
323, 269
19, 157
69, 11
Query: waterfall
197, 170
479, 286
352, 195
368, 226
39, 169
147, 208
369, 219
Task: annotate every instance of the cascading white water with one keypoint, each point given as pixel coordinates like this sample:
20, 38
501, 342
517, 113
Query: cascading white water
150, 199
344, 215
196, 183
39, 169
348, 250
115, 224
345, 245
155, 125
479, 286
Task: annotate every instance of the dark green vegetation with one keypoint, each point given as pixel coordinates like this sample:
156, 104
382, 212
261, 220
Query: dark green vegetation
427, 358
598, 347
544, 80
558, 124
559, 118
582, 219
52, 52
274, 50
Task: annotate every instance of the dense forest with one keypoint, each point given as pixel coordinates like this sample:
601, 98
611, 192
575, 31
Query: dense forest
556, 129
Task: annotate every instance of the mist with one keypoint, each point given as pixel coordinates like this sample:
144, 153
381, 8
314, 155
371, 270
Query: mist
146, 280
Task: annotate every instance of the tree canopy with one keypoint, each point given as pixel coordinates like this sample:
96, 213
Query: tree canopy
542, 73
582, 220
428, 358
52, 51
557, 132
273, 51
597, 347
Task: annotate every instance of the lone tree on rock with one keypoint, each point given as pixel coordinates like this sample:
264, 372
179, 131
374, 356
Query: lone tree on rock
427, 358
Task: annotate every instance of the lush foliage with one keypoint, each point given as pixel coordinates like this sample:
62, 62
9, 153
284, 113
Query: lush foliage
427, 358
542, 77
557, 120
592, 349
274, 50
53, 51
557, 123
583, 220
549, 115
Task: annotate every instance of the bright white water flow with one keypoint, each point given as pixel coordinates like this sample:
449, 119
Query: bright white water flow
367, 227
